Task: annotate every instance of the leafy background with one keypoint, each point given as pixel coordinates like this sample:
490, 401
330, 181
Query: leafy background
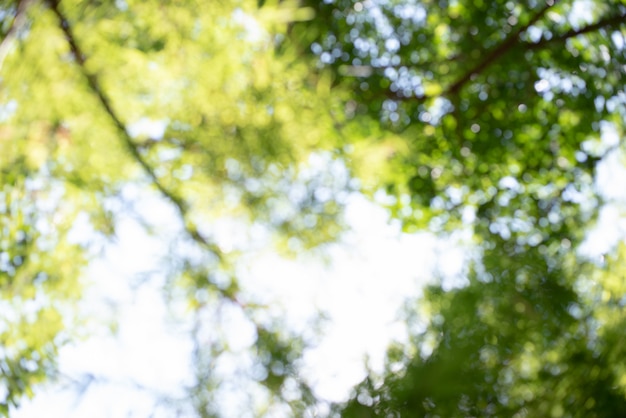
491, 122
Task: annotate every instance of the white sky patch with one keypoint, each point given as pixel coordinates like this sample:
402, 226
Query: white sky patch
254, 31
151, 128
611, 171
609, 230
618, 40
8, 109
581, 13
611, 176
610, 227
610, 179
147, 356
370, 275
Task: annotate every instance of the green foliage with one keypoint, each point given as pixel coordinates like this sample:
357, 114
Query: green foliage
39, 277
522, 344
479, 93
500, 107
481, 116
240, 125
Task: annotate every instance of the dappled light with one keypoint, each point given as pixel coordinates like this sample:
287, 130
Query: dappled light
321, 208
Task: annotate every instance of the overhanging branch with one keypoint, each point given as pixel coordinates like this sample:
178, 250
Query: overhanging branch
499, 51
16, 26
513, 39
607, 22
132, 148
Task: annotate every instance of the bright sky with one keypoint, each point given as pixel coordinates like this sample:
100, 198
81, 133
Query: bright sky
362, 290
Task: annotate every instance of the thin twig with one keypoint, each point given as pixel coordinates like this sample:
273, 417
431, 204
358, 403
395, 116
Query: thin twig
132, 148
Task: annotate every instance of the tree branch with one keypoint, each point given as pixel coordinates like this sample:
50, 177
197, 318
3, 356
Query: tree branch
500, 50
608, 21
132, 148
16, 26
511, 40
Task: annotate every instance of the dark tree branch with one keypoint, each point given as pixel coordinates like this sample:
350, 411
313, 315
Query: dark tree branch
609, 21
492, 57
133, 149
16, 26
499, 51
512, 40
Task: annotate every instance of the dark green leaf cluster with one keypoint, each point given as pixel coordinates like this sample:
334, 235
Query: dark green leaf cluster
479, 93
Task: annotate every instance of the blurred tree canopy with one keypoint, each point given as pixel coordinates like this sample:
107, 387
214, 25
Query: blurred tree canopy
191, 100
502, 112
489, 118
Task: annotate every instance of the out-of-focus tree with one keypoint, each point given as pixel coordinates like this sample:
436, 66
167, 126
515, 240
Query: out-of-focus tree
189, 99
502, 111
484, 117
